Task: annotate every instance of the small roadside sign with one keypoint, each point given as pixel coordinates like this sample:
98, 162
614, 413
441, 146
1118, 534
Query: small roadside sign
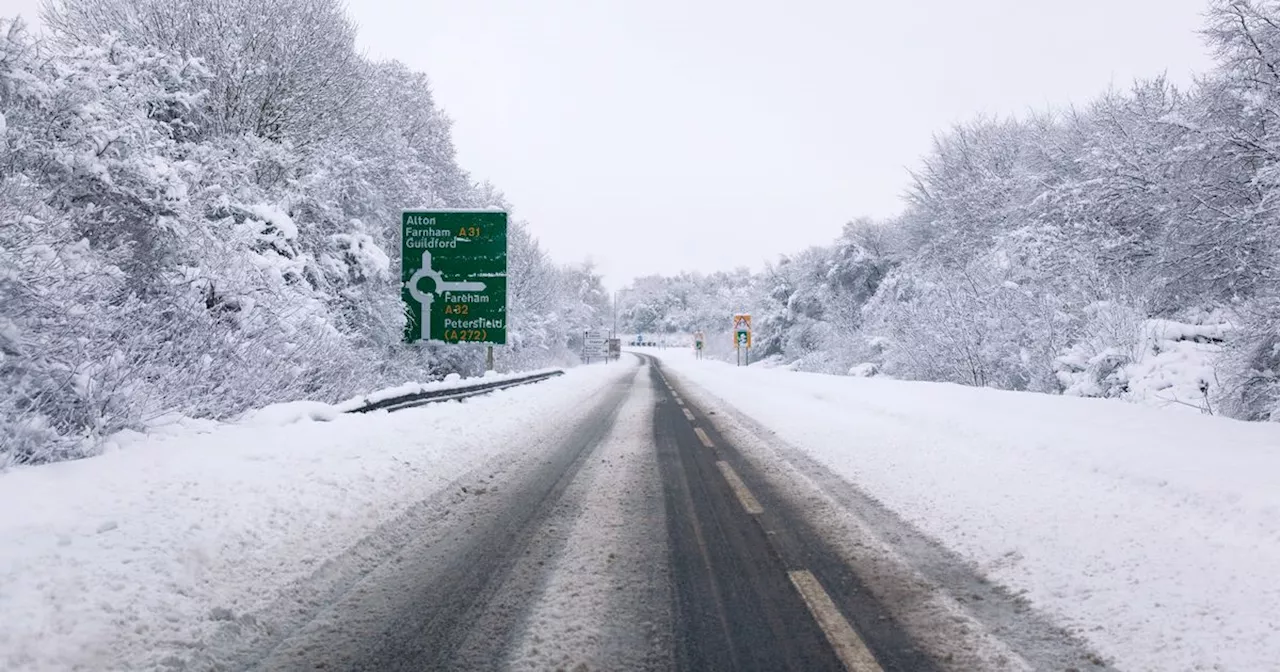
699, 343
593, 342
614, 348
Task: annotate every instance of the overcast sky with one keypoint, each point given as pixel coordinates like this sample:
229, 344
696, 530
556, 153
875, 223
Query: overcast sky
659, 135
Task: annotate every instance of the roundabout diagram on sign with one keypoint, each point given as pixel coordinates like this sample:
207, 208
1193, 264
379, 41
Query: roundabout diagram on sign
426, 299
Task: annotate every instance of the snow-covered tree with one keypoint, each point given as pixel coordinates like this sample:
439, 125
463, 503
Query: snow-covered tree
200, 214
1128, 247
282, 70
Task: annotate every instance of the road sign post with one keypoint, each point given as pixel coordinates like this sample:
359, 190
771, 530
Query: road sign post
454, 274
742, 337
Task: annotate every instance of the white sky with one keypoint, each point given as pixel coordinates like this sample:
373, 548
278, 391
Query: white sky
659, 135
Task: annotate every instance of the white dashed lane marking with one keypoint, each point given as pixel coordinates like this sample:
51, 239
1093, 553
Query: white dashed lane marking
849, 647
745, 497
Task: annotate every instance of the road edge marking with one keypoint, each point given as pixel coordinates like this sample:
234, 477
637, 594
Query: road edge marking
849, 647
688, 414
702, 436
745, 498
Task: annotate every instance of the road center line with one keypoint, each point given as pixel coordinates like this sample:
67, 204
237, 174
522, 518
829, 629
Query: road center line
849, 647
745, 497
702, 436
688, 414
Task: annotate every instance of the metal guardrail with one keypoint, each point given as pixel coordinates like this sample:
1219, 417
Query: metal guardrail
452, 393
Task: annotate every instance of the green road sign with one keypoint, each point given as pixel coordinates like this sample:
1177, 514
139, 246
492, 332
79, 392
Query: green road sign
454, 270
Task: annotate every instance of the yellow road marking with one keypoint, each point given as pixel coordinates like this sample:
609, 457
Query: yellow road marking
849, 647
688, 415
745, 497
702, 436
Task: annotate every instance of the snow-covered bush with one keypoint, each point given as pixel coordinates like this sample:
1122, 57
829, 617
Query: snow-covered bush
864, 370
1095, 364
1177, 362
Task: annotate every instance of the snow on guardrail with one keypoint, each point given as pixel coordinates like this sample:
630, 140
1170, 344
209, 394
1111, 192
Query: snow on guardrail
395, 398
415, 394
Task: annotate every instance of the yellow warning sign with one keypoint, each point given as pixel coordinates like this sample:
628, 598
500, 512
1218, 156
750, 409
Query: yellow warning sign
742, 330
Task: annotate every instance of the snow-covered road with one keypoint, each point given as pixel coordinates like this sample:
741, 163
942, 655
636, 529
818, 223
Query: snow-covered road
644, 517
605, 603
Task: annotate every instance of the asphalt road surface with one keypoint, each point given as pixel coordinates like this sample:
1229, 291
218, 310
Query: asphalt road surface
640, 537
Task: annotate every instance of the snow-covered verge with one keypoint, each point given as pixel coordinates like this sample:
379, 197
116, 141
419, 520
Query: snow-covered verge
118, 561
1152, 534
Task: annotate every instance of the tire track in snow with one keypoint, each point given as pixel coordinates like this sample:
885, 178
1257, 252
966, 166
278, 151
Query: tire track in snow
606, 602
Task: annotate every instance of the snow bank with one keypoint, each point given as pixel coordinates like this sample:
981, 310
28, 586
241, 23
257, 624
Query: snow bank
122, 560
1151, 533
287, 413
